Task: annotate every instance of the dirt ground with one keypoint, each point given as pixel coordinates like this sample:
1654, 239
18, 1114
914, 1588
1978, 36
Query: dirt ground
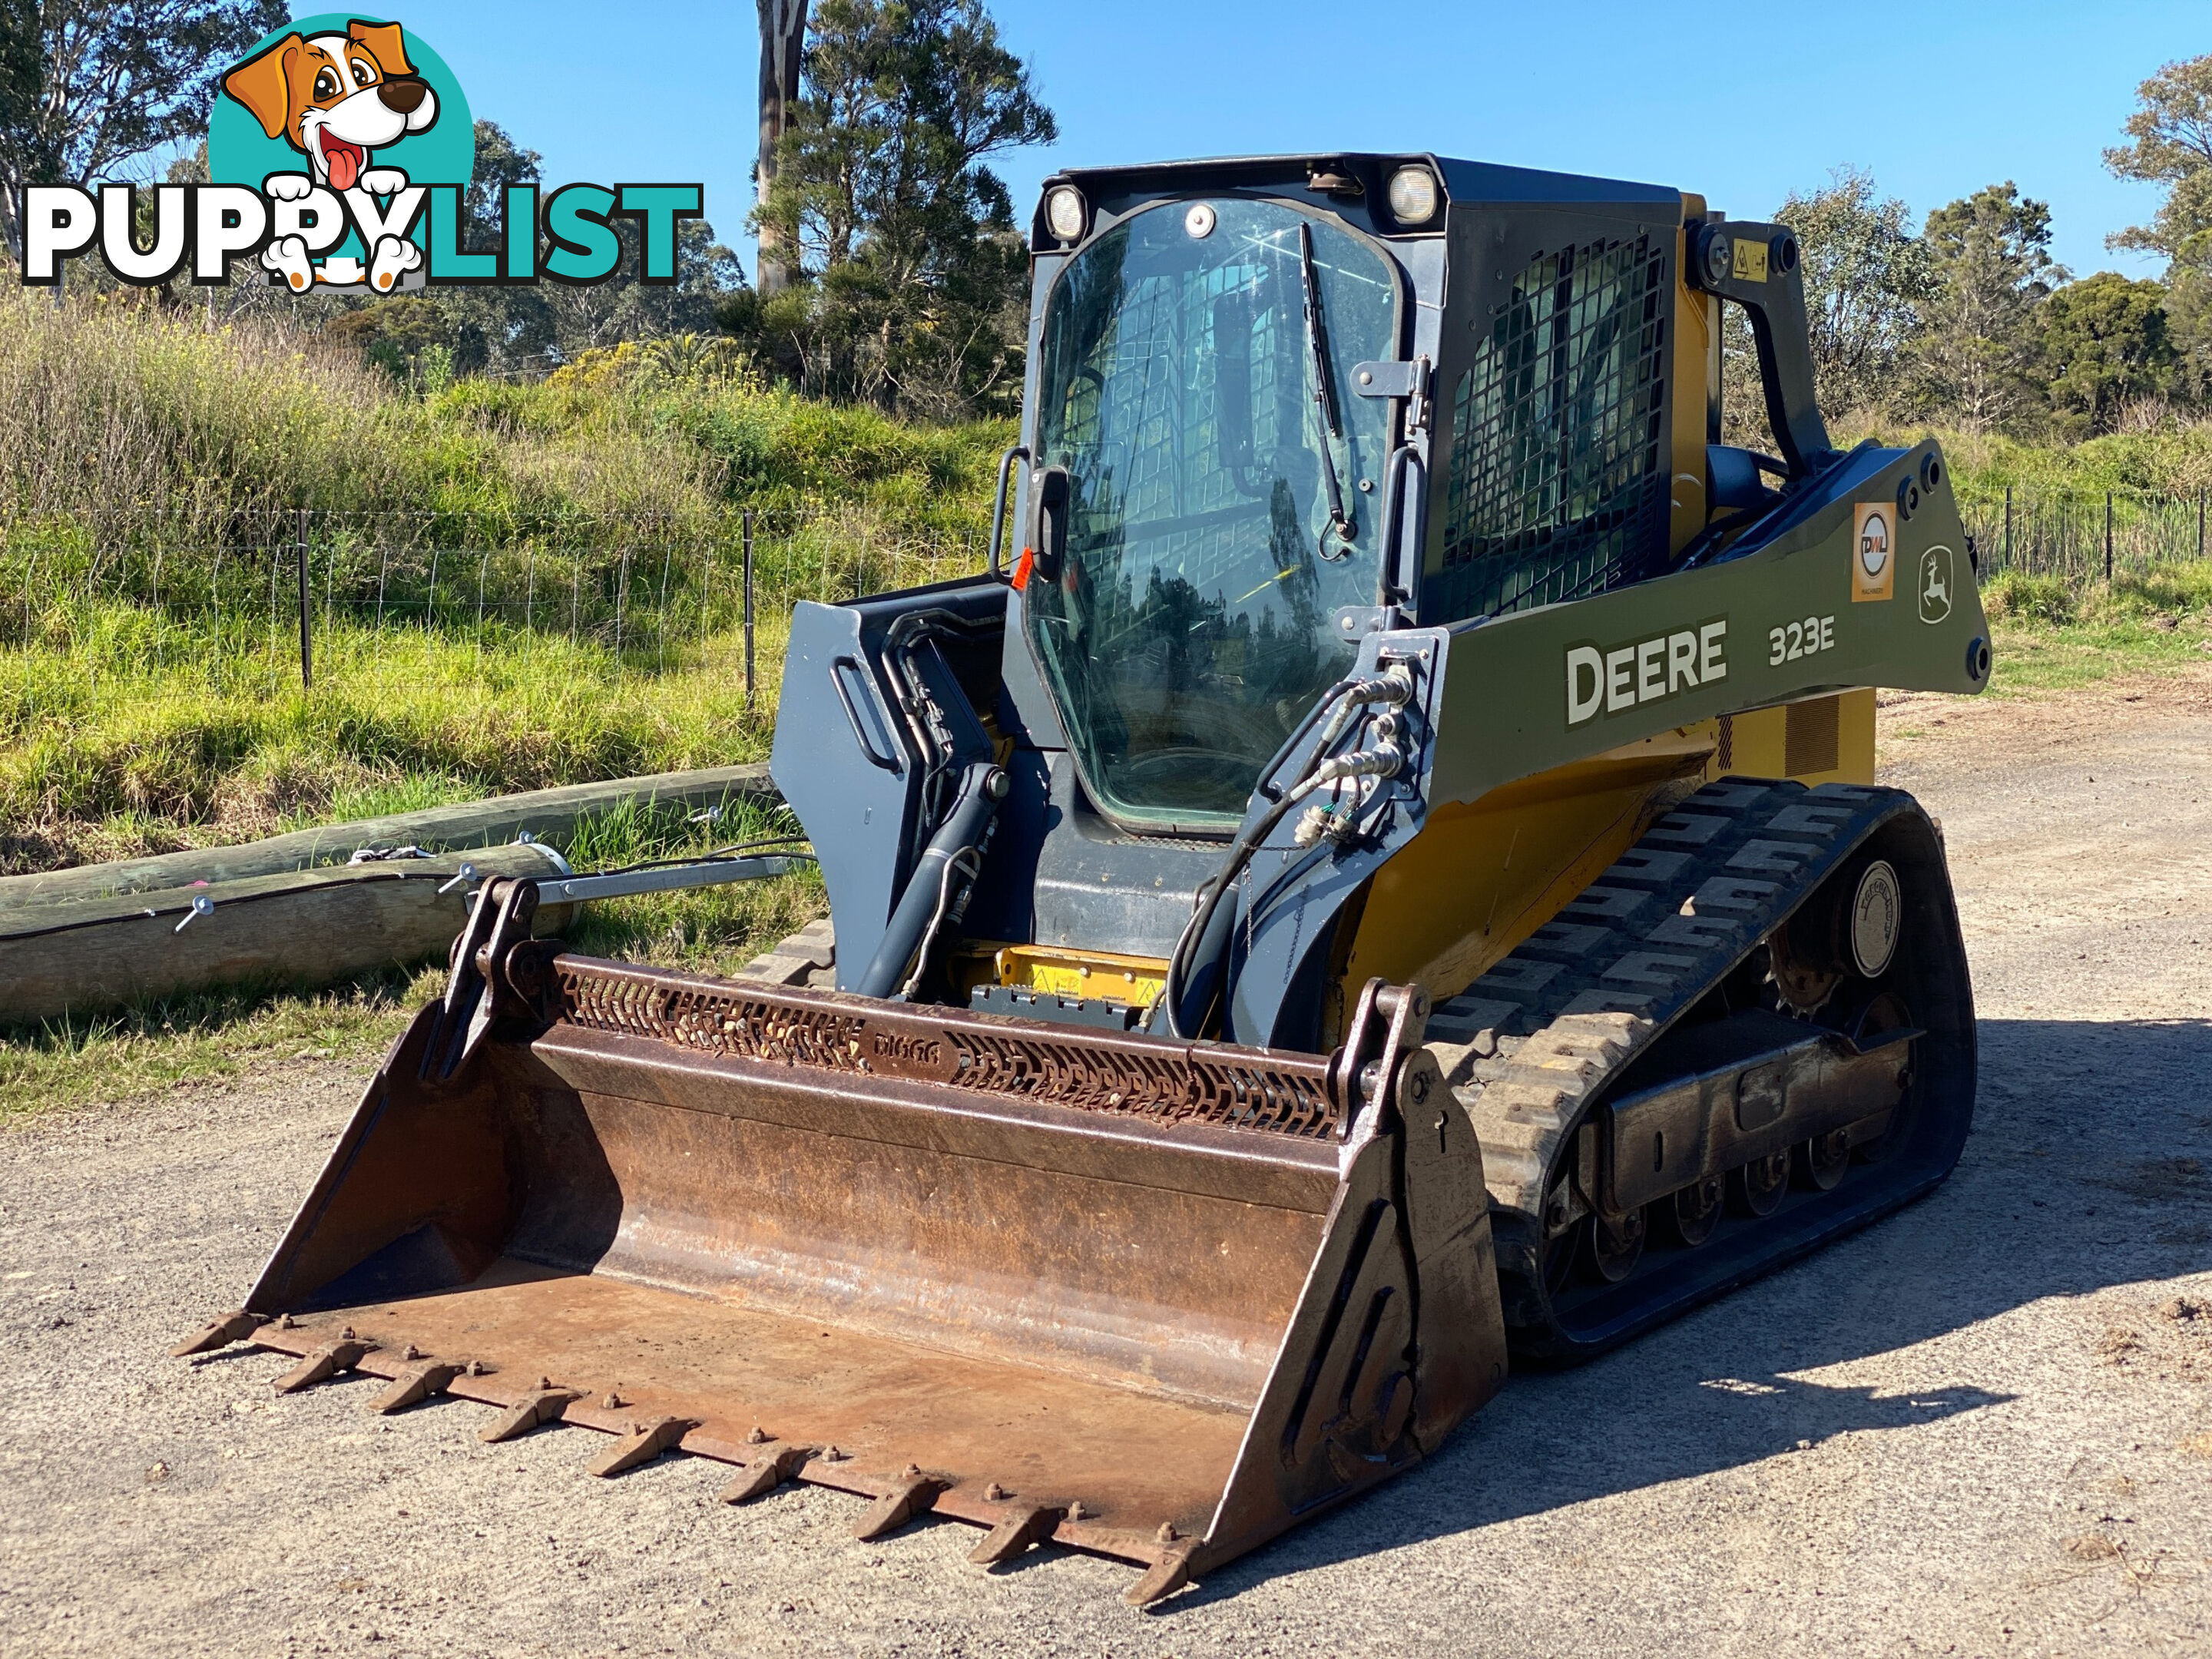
1983, 1427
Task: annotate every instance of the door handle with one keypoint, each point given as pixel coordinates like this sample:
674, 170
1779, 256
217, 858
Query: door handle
853, 691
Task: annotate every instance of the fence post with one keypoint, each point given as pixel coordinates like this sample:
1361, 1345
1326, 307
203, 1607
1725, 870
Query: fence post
2108, 538
706, 588
276, 580
306, 613
621, 608
2200, 525
2008, 535
749, 610
483, 574
667, 556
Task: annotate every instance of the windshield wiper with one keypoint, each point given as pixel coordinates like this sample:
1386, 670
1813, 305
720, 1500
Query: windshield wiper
1332, 420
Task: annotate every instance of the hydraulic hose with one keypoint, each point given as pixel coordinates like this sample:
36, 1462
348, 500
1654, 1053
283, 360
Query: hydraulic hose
1204, 941
929, 889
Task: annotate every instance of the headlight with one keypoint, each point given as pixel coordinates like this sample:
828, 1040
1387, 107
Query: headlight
1066, 214
1413, 195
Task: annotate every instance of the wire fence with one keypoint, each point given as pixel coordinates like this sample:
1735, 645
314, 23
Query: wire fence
2082, 538
644, 593
639, 594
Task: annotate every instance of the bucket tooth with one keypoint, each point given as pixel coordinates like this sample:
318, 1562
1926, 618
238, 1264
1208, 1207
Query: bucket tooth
1016, 1533
763, 1475
231, 1328
538, 1406
412, 1388
645, 1442
322, 1364
909, 1496
1161, 1579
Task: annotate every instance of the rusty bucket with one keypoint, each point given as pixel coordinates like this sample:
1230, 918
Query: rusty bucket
1156, 1300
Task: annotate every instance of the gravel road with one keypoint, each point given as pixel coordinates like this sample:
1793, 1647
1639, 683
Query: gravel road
1983, 1427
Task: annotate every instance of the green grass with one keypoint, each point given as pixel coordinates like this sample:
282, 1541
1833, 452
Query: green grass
715, 930
2047, 637
108, 751
140, 453
203, 1039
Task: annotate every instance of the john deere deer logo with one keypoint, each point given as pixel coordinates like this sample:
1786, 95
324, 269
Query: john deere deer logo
1934, 584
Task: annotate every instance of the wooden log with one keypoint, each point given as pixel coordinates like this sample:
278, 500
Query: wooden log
542, 812
302, 928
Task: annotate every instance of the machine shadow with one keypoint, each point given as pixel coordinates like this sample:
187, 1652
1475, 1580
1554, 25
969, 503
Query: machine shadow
2090, 1165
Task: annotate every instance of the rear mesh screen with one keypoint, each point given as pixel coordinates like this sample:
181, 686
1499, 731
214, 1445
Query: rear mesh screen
1557, 486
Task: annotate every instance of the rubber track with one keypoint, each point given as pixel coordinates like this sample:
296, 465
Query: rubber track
1529, 1044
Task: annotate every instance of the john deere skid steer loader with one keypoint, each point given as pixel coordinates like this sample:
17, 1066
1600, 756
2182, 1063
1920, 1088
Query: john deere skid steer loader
1380, 880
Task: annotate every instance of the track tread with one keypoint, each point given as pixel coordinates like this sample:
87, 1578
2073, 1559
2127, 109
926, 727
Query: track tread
1537, 1036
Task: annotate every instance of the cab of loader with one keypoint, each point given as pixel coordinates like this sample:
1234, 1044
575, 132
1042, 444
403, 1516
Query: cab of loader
1276, 409
1234, 395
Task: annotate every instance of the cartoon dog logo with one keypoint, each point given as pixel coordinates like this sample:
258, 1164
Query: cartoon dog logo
336, 98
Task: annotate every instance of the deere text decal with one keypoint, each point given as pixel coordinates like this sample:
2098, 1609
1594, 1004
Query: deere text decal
340, 153
1645, 671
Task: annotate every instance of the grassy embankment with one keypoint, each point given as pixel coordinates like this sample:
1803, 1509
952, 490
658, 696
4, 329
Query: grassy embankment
127, 729
132, 450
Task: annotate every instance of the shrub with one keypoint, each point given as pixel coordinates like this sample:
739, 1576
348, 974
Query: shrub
2173, 590
2013, 595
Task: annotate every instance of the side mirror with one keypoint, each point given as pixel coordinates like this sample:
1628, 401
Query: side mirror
1047, 546
1232, 380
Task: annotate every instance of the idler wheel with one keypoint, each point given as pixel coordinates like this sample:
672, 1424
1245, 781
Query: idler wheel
1822, 1160
1689, 1217
1851, 925
1614, 1246
1756, 1188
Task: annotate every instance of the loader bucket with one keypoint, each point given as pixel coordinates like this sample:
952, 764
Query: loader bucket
1152, 1299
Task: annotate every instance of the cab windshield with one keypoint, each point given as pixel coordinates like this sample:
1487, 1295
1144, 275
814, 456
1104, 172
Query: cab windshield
1192, 623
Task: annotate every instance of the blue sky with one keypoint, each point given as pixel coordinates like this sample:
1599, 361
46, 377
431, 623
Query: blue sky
1741, 103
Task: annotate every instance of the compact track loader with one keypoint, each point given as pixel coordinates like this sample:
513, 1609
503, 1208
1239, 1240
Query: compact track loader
1382, 883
